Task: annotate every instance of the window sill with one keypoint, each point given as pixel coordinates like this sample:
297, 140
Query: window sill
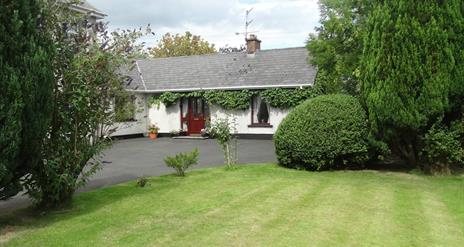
260, 125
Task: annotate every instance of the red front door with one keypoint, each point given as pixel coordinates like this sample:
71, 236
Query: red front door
196, 115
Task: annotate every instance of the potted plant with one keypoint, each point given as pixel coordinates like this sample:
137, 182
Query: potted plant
153, 131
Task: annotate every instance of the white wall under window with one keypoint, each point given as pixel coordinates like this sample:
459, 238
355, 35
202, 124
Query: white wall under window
243, 119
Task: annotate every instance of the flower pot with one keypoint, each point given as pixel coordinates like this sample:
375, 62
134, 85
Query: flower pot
153, 136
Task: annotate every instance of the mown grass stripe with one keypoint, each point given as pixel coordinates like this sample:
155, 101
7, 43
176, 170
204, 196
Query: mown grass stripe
272, 208
375, 222
370, 218
279, 227
408, 216
191, 205
451, 192
310, 222
221, 217
444, 230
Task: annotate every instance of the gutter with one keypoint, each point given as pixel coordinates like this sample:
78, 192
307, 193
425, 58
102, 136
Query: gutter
217, 88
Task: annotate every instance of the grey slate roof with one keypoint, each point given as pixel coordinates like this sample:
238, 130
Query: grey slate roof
265, 69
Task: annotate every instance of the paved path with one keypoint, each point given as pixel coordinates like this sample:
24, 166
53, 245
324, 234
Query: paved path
132, 158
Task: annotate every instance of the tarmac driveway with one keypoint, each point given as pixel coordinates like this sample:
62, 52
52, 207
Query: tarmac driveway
132, 158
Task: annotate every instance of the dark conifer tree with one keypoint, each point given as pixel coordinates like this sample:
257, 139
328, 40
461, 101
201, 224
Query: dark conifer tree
454, 17
408, 65
27, 78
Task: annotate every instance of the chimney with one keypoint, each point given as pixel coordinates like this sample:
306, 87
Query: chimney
253, 44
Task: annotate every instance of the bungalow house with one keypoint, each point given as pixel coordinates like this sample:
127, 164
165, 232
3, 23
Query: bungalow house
253, 70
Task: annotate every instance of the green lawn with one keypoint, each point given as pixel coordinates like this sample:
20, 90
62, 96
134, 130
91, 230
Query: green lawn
257, 205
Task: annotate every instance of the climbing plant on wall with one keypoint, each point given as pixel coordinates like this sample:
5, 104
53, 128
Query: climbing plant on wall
287, 97
240, 99
229, 100
167, 98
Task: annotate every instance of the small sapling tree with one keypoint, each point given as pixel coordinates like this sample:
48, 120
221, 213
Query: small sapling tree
223, 130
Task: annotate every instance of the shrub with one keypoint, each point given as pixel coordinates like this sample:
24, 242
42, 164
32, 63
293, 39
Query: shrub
182, 161
322, 133
142, 182
443, 148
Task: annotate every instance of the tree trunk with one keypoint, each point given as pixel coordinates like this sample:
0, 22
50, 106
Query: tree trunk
406, 148
228, 155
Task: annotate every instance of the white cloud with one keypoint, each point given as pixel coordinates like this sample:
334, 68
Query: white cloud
279, 23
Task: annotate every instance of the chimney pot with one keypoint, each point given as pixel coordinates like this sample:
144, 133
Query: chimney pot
253, 44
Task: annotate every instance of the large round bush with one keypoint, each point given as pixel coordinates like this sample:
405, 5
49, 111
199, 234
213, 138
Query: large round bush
325, 132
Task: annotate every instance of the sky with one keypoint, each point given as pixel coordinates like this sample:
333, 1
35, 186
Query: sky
278, 23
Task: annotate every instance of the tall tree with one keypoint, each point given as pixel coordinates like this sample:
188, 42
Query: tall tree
27, 78
88, 77
454, 24
181, 45
337, 47
407, 65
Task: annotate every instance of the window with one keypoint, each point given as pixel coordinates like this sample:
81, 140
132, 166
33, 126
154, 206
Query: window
260, 113
184, 114
125, 108
197, 105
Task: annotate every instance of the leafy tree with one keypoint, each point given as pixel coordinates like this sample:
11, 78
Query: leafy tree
337, 47
408, 65
26, 77
88, 78
181, 45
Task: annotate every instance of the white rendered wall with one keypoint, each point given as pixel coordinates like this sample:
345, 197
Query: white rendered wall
168, 119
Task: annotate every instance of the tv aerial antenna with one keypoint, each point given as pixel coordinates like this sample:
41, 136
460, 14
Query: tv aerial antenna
247, 24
